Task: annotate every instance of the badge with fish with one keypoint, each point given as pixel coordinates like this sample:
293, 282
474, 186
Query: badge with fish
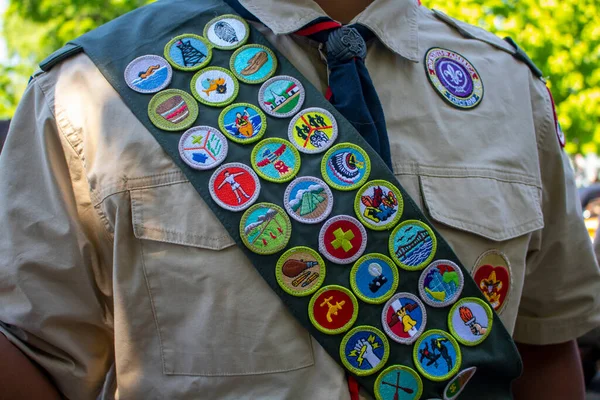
172, 110
214, 86
148, 74
227, 32
300, 271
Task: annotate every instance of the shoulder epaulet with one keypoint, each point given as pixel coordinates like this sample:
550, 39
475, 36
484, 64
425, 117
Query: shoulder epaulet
59, 55
522, 56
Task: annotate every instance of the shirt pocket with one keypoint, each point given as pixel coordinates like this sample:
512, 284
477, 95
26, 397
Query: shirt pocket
215, 315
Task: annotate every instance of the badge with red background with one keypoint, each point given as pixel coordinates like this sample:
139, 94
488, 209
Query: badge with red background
333, 309
342, 239
493, 277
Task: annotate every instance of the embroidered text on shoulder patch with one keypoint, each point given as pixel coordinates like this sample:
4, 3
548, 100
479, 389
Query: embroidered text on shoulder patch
455, 387
172, 110
398, 382
203, 147
253, 63
234, 186
313, 130
342, 239
412, 245
345, 166
188, 52
265, 228
243, 123
281, 96
148, 74
214, 86
374, 278
493, 276
470, 321
275, 160
364, 350
333, 309
404, 318
441, 283
437, 355
379, 205
308, 200
300, 271
227, 32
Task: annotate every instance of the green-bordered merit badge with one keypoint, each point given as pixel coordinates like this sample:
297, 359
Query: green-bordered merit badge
456, 386
398, 382
172, 110
441, 283
148, 74
281, 96
243, 123
203, 147
342, 239
437, 355
345, 166
313, 130
275, 160
265, 228
492, 274
412, 245
188, 52
308, 200
454, 78
234, 186
214, 86
404, 318
364, 350
300, 271
374, 278
227, 32
253, 63
470, 320
379, 205
333, 309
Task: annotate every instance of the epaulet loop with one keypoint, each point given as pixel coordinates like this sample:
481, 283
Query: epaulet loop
522, 56
59, 55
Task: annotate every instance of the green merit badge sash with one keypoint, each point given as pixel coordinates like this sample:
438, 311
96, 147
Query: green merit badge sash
314, 208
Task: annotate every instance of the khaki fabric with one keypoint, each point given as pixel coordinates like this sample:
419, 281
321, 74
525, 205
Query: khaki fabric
117, 279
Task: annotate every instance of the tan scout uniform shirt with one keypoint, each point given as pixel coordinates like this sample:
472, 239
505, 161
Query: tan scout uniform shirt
113, 270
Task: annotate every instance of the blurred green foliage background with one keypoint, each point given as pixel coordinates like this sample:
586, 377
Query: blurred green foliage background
561, 36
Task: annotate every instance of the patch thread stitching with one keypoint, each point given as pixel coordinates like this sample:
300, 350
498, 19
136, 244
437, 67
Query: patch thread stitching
443, 281
449, 339
315, 126
214, 86
366, 354
226, 33
253, 62
233, 186
332, 308
393, 251
248, 123
289, 207
406, 320
189, 52
379, 206
304, 276
267, 219
282, 99
383, 297
286, 172
162, 121
470, 319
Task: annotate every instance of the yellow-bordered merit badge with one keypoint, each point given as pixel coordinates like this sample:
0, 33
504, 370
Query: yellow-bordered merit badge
364, 350
275, 160
148, 74
454, 78
227, 32
441, 283
342, 239
374, 278
243, 123
470, 321
313, 130
265, 228
437, 355
412, 245
492, 273
281, 96
379, 205
172, 110
188, 52
234, 186
308, 200
203, 147
300, 271
398, 382
404, 318
345, 166
333, 309
253, 63
214, 86
456, 386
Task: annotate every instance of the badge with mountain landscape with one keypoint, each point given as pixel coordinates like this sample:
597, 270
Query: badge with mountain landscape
308, 200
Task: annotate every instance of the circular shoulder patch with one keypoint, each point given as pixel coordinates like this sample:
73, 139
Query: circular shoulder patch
364, 350
398, 380
379, 205
313, 130
275, 160
172, 110
188, 52
441, 283
333, 309
253, 63
404, 318
374, 278
492, 274
243, 123
300, 271
470, 321
345, 166
234, 186
455, 387
454, 78
412, 245
281, 96
265, 228
437, 355
148, 74
227, 32
203, 147
308, 200
214, 86
342, 239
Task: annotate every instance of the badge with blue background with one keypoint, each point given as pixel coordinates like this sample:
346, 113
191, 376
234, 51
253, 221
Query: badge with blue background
374, 278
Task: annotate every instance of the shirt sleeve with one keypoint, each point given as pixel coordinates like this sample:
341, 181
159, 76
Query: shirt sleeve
55, 302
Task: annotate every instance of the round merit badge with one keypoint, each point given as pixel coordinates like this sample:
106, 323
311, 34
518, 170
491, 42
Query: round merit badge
265, 228
412, 245
308, 200
172, 110
342, 239
300, 271
441, 283
364, 350
243, 123
437, 355
333, 309
398, 382
404, 318
148, 74
188, 52
313, 130
253, 63
374, 278
456, 386
470, 321
454, 78
281, 96
492, 274
234, 186
203, 147
379, 205
275, 160
226, 32
345, 166
214, 86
